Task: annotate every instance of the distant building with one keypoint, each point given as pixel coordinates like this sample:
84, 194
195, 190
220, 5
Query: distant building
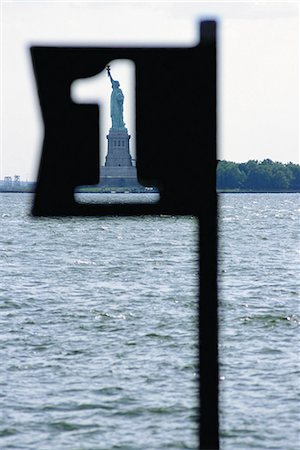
7, 182
14, 184
17, 181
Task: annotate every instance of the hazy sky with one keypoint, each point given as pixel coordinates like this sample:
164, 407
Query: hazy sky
258, 69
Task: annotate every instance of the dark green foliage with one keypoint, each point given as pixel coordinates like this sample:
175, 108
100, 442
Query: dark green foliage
295, 171
229, 176
256, 175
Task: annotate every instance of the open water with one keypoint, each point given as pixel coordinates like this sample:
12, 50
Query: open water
98, 328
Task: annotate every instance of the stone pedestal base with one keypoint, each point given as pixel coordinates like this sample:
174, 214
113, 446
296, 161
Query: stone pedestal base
118, 149
118, 170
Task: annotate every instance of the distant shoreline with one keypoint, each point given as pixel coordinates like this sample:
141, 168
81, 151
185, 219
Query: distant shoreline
258, 191
153, 191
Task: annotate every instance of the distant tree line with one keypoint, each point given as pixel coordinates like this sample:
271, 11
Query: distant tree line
256, 175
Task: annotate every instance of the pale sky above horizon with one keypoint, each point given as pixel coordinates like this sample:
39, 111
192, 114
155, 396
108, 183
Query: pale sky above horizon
258, 69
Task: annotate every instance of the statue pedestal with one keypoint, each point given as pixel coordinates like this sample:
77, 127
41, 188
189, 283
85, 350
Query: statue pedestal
118, 170
118, 149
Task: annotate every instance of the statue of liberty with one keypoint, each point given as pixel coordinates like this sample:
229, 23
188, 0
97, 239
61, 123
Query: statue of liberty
116, 104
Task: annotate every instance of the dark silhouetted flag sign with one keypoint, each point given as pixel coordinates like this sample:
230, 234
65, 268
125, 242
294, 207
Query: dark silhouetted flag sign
176, 152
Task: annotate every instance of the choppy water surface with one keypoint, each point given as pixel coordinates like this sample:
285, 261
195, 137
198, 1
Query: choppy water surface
259, 321
99, 328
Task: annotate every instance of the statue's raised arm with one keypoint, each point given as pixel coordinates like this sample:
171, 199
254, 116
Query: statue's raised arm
109, 74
